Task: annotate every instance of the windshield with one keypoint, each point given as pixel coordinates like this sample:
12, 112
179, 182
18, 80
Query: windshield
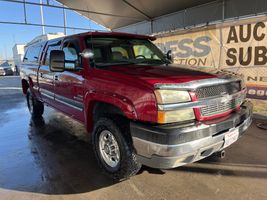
124, 51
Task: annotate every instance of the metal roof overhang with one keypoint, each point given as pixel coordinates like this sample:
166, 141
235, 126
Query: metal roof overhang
114, 14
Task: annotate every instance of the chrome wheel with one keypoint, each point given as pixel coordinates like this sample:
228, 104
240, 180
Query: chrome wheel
109, 148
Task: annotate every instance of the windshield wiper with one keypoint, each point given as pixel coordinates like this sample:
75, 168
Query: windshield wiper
152, 61
115, 63
135, 62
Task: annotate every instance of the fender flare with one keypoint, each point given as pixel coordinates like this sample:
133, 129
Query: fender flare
122, 103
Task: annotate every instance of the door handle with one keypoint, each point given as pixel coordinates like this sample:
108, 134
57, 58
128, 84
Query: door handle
56, 78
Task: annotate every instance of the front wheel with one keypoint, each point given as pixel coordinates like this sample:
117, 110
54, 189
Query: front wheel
36, 107
113, 149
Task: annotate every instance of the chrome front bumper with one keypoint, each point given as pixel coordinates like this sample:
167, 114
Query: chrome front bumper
180, 145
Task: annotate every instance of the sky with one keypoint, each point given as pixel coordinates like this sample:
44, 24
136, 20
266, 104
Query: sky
20, 34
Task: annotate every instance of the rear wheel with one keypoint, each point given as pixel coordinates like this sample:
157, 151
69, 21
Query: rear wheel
36, 108
114, 150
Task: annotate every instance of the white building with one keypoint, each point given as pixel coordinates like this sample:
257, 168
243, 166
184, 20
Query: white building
45, 37
18, 54
20, 49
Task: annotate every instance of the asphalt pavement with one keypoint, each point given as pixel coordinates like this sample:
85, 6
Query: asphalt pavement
52, 159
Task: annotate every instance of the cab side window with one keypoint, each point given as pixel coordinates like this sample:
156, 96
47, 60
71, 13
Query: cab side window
72, 59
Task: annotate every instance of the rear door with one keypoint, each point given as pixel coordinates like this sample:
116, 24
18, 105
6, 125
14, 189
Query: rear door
46, 77
31, 64
69, 91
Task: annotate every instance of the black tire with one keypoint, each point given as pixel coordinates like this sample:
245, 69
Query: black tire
36, 107
128, 164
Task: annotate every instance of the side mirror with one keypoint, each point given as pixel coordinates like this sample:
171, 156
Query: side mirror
57, 61
169, 55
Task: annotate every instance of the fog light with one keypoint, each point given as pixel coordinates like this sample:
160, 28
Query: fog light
175, 116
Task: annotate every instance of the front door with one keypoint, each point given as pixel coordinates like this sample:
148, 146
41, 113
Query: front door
69, 92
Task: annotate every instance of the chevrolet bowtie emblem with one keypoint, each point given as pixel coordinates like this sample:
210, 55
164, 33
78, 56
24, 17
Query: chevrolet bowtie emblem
226, 98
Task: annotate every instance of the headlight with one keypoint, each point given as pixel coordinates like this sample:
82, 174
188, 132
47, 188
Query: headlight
175, 116
172, 96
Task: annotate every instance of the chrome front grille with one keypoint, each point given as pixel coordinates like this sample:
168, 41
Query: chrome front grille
219, 107
218, 90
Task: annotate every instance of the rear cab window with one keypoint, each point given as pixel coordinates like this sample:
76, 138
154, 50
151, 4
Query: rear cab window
33, 54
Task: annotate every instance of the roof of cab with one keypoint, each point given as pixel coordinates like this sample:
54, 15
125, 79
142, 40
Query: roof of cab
115, 34
96, 33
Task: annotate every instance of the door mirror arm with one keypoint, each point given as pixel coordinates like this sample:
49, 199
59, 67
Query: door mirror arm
76, 65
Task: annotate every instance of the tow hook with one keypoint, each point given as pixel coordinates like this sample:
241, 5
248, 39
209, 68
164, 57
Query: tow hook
220, 154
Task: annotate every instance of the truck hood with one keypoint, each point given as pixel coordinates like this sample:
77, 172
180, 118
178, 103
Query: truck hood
161, 74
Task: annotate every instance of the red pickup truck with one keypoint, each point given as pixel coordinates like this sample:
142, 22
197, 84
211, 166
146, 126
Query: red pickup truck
137, 107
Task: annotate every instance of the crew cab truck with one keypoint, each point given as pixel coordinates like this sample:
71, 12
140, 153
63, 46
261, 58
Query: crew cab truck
138, 108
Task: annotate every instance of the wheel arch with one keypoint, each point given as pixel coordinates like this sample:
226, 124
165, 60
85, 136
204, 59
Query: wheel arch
25, 86
97, 108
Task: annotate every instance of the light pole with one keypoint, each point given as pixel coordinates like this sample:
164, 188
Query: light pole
42, 17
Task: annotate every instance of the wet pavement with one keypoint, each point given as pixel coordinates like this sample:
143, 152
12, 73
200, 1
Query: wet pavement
52, 159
